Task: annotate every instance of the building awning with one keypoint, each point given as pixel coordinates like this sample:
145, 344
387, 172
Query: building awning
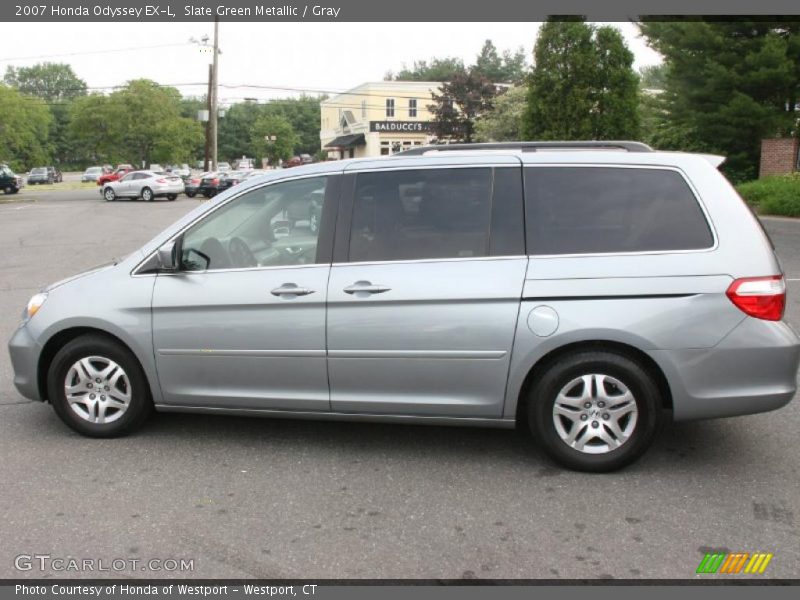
347, 141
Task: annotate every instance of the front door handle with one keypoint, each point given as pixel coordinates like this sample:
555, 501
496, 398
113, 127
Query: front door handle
365, 288
291, 289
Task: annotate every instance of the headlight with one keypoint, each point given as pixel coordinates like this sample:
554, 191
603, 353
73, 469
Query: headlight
34, 304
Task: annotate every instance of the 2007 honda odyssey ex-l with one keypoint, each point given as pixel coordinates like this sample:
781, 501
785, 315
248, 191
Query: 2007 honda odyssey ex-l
579, 290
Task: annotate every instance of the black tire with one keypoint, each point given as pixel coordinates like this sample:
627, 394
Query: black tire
109, 195
140, 406
147, 194
7, 190
14, 190
191, 194
630, 373
171, 197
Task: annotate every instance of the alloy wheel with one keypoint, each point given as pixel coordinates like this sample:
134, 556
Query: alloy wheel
97, 389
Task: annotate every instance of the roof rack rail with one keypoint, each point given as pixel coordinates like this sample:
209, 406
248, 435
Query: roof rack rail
530, 147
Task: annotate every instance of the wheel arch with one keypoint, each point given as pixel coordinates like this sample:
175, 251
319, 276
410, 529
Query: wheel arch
63, 337
540, 366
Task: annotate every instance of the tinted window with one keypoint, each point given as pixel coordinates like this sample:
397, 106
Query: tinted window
431, 213
275, 225
587, 210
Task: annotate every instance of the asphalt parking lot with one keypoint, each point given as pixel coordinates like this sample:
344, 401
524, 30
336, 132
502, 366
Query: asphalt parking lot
281, 499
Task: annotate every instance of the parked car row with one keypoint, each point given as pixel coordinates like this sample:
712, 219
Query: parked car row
45, 175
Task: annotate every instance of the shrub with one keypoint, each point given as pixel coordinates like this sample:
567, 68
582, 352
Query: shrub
777, 195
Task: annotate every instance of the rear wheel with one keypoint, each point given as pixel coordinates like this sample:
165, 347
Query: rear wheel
191, 194
98, 388
171, 197
109, 194
147, 194
594, 411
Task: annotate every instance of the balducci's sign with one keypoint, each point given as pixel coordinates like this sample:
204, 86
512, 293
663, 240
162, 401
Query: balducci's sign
400, 126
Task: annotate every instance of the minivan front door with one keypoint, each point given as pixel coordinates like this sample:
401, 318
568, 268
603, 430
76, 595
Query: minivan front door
423, 304
242, 324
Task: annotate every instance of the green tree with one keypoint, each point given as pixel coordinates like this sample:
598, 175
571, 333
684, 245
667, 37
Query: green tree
727, 85
561, 85
615, 111
462, 100
279, 148
503, 121
92, 129
583, 85
653, 77
139, 123
437, 69
56, 84
24, 123
52, 82
508, 68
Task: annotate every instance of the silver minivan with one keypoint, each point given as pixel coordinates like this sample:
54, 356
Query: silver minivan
582, 292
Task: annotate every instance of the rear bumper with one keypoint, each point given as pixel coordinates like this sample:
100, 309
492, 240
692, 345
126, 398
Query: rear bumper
752, 370
24, 353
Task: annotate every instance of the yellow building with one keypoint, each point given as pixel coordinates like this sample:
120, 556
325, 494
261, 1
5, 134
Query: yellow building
377, 119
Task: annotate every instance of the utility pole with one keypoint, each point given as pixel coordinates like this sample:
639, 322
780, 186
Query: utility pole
214, 104
207, 156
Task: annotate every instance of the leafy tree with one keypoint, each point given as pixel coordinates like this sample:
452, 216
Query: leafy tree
616, 88
139, 123
56, 84
24, 123
508, 68
727, 85
52, 82
562, 82
503, 122
653, 77
582, 86
463, 99
285, 138
438, 69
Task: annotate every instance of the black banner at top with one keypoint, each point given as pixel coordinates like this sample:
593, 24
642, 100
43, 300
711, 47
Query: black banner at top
372, 11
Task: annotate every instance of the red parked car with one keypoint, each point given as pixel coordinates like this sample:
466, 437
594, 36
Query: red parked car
116, 175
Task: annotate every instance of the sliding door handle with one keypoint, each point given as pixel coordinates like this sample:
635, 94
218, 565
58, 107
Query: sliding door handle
365, 288
291, 289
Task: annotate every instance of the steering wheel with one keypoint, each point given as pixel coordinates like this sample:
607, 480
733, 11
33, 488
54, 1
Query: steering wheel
240, 253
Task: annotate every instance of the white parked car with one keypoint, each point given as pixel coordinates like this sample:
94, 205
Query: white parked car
146, 185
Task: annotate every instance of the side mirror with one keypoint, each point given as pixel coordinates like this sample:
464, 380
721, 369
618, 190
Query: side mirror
168, 256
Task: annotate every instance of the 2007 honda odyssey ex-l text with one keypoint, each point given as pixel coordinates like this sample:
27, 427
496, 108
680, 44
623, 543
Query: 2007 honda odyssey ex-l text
582, 291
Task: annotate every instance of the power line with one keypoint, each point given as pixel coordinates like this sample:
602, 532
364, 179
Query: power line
88, 52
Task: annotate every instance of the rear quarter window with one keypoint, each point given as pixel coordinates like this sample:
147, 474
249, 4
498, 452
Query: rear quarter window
595, 210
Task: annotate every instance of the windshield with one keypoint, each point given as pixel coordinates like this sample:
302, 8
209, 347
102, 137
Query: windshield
94, 170
38, 171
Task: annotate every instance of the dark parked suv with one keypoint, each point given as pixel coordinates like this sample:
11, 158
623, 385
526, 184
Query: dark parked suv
10, 182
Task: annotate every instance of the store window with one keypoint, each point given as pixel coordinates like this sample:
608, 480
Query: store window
412, 107
390, 107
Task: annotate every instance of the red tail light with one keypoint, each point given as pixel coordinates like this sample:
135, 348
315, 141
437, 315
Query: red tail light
195, 181
162, 180
214, 181
760, 297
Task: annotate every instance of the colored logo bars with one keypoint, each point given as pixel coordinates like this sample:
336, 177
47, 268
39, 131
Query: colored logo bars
735, 562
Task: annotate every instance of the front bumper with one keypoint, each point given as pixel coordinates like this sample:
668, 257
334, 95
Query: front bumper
752, 370
25, 351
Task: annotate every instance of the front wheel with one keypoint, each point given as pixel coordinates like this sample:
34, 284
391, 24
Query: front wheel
191, 194
147, 194
109, 195
98, 388
594, 411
